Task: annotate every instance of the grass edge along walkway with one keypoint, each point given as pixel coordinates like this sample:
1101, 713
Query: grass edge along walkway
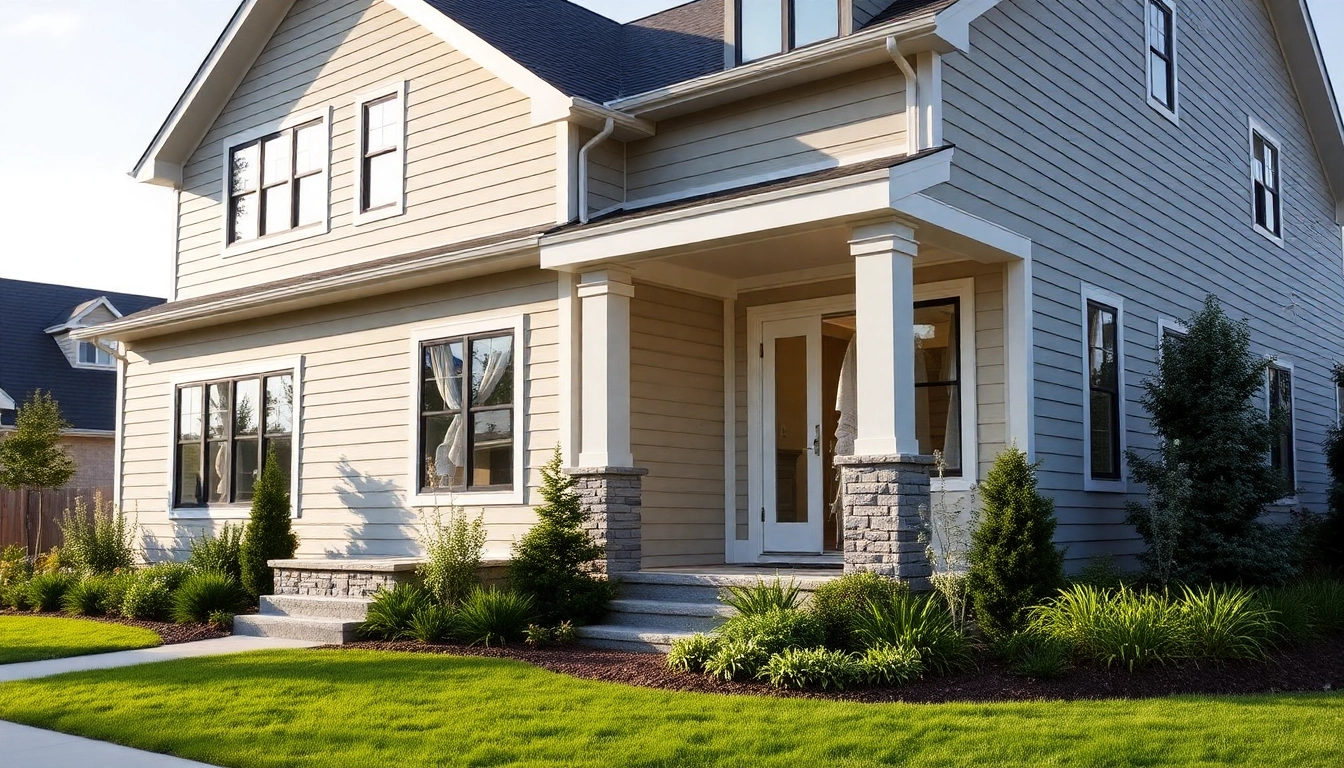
360, 708
39, 638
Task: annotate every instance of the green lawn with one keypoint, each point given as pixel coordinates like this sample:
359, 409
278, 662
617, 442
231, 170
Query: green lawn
34, 638
362, 708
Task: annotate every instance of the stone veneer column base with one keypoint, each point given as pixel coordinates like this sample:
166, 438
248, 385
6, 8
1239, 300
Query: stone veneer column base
883, 498
612, 496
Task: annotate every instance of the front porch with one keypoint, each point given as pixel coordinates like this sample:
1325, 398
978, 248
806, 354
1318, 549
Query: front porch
739, 395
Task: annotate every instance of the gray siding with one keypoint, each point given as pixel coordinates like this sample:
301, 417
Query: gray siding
1055, 140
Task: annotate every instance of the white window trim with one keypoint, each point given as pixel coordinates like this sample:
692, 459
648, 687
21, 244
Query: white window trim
110, 366
361, 217
290, 235
964, 291
1091, 293
1173, 115
484, 322
292, 365
1285, 365
1256, 127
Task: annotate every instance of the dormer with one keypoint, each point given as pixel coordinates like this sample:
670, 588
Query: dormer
86, 354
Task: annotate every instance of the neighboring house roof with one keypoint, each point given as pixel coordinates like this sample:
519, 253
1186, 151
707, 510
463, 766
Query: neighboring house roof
31, 359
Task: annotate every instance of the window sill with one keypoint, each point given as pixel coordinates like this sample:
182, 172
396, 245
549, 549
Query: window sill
951, 484
467, 499
1270, 236
213, 513
1173, 115
288, 236
93, 367
1105, 486
379, 214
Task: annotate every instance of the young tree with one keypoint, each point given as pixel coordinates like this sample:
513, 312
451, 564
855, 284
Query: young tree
1210, 480
32, 457
268, 535
1014, 563
553, 562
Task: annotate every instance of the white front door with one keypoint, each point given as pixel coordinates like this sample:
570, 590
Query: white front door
791, 436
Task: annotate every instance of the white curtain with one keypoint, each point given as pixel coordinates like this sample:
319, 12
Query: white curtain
452, 452
847, 402
952, 440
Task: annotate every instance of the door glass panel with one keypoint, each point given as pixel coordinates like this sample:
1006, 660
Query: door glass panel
792, 437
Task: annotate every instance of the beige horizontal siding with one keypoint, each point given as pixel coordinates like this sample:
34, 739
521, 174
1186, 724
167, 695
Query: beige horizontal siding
354, 430
814, 125
475, 164
676, 424
606, 173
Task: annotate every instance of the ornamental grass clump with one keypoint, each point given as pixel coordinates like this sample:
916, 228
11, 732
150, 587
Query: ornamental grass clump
433, 624
762, 597
495, 617
1125, 627
1223, 623
87, 597
205, 593
922, 623
736, 660
46, 591
390, 614
812, 668
838, 604
1036, 654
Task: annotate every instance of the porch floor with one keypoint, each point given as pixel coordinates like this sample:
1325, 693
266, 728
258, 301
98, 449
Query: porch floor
809, 571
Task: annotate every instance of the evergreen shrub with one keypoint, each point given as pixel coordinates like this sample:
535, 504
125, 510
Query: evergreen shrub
269, 534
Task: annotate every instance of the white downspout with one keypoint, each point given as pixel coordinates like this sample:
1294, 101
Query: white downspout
607, 130
914, 140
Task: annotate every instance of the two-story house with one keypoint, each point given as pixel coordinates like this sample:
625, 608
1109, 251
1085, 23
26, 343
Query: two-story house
747, 262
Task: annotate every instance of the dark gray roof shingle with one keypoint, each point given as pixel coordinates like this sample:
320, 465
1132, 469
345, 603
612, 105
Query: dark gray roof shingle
30, 358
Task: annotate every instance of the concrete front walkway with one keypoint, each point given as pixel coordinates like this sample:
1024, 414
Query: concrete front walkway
219, 647
35, 748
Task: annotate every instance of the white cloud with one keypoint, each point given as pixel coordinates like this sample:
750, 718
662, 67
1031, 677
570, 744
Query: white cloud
51, 25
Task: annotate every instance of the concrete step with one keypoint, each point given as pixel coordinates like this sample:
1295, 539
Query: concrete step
316, 630
306, 606
702, 588
657, 614
633, 639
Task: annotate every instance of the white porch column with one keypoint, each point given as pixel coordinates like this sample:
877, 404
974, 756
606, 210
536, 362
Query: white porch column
884, 274
604, 378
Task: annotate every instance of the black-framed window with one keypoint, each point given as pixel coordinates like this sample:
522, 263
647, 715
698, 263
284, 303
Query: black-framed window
224, 430
380, 153
1282, 455
769, 27
1104, 395
277, 182
1266, 185
938, 381
1162, 54
467, 428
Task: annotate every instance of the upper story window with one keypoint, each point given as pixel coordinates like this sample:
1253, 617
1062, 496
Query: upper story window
277, 183
769, 27
1161, 24
93, 356
224, 431
380, 161
1266, 183
1104, 398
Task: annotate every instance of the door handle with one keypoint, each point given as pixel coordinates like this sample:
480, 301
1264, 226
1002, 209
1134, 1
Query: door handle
816, 441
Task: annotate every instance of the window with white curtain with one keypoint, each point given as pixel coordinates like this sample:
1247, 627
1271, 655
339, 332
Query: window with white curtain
467, 414
938, 381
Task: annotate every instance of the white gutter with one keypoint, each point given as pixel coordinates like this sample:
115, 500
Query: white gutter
913, 127
607, 130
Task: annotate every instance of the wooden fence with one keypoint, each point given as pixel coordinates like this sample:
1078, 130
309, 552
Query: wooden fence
26, 515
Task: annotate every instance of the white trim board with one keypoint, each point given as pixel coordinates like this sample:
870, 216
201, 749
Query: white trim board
510, 321
294, 365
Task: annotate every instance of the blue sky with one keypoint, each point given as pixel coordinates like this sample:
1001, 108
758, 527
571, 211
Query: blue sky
85, 84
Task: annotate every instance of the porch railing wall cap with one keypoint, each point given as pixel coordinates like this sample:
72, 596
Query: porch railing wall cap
897, 458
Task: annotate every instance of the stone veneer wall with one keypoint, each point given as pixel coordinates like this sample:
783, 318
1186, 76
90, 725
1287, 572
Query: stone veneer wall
613, 497
336, 583
884, 498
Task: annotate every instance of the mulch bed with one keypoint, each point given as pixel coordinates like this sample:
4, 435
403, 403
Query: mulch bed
1317, 668
171, 634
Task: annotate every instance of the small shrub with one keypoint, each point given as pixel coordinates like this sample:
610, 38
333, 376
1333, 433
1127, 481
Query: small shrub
565, 633
87, 597
46, 591
890, 665
922, 623
494, 617
812, 668
775, 630
1327, 600
553, 563
173, 575
453, 552
433, 624
147, 598
538, 636
1306, 611
1223, 623
690, 654
117, 585
15, 595
1034, 654
100, 542
14, 565
1014, 563
269, 534
1101, 572
736, 660
762, 598
204, 593
51, 561
218, 553
840, 602
389, 615
221, 620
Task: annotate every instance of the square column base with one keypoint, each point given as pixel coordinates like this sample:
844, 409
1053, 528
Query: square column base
884, 498
613, 497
